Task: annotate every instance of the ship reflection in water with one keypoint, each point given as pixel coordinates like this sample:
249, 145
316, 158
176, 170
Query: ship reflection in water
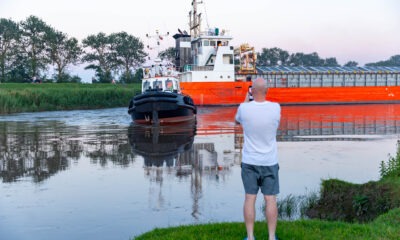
172, 150
162, 145
338, 122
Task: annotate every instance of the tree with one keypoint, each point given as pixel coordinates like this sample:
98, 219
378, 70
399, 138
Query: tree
351, 64
128, 52
34, 32
301, 59
168, 54
100, 55
9, 37
62, 51
331, 62
393, 61
272, 57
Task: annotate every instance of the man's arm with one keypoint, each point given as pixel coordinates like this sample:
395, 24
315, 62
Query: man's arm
237, 116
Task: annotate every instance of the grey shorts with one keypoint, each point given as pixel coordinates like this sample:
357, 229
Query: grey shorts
264, 177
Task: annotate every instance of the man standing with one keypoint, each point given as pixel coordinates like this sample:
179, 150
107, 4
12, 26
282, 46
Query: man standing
260, 121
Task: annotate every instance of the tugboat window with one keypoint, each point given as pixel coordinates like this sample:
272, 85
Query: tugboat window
157, 85
146, 85
169, 85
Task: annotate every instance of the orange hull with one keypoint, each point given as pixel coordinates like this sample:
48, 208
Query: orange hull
233, 93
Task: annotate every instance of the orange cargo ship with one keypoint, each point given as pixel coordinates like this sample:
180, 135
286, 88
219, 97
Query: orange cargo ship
215, 73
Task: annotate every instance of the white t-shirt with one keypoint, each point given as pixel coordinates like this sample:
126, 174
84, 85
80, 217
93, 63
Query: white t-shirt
260, 122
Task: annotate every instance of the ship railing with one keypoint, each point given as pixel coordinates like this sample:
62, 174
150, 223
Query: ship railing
281, 80
191, 67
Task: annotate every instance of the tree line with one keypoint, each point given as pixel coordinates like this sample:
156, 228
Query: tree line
276, 56
28, 49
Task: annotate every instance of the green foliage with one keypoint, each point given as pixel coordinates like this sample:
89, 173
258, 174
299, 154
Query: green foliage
100, 56
351, 64
66, 78
34, 44
111, 53
64, 96
344, 201
10, 35
384, 227
272, 57
276, 56
168, 54
393, 61
62, 51
128, 51
287, 207
391, 168
132, 77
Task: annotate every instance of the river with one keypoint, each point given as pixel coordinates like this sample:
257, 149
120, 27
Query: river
92, 175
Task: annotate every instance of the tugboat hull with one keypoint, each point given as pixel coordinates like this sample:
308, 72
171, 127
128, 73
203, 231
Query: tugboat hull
162, 108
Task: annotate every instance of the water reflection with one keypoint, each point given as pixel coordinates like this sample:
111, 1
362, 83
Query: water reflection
172, 150
178, 176
161, 145
338, 122
41, 149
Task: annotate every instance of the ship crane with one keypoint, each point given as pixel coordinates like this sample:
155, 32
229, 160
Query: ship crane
247, 59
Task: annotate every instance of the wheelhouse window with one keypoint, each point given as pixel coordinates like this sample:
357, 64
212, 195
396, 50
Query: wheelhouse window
169, 85
206, 43
146, 85
212, 43
157, 85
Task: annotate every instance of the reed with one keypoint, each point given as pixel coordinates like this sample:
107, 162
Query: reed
16, 97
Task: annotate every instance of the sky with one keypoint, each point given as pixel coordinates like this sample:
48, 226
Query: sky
350, 30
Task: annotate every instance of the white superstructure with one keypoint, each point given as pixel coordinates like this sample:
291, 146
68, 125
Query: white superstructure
212, 57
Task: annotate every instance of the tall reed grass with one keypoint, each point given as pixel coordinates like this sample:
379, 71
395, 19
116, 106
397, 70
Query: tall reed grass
16, 97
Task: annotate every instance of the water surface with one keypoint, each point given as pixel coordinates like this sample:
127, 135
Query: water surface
91, 174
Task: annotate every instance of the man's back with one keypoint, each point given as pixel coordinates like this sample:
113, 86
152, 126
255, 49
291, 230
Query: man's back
260, 121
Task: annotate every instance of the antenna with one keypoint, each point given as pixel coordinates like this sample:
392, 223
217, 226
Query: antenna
158, 37
195, 20
205, 12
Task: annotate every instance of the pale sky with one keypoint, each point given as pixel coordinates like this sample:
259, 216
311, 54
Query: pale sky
359, 30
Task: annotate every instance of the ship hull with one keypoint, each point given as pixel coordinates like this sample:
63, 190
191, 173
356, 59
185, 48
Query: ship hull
162, 108
233, 93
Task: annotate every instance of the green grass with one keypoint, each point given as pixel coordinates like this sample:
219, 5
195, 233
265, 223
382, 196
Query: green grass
384, 227
17, 97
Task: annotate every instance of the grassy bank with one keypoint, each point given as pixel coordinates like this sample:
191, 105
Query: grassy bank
384, 227
343, 201
17, 97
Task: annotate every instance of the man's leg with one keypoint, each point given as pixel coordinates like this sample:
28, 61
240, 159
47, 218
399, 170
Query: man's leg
271, 211
249, 214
